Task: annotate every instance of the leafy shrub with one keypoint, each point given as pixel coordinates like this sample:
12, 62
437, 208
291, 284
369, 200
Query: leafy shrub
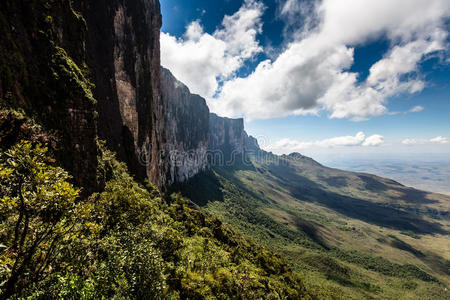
38, 216
128, 241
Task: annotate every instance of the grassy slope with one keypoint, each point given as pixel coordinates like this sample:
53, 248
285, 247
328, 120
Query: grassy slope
350, 235
137, 231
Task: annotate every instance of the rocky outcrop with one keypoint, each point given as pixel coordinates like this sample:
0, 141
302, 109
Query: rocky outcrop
295, 156
251, 143
187, 129
123, 55
229, 143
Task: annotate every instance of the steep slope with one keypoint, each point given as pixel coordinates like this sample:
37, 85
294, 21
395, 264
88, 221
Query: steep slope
361, 235
128, 241
94, 232
88, 69
226, 135
123, 55
187, 129
351, 235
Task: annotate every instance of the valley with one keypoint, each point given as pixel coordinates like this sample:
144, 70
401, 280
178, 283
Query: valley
351, 235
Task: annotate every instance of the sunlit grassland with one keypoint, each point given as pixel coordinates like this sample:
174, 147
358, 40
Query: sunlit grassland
351, 236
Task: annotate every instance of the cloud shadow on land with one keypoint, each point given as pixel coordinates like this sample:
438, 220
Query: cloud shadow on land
380, 214
408, 194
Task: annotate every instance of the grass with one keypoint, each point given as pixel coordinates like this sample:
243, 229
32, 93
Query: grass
351, 236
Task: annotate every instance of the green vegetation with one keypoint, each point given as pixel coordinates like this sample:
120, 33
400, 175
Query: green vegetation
321, 233
383, 266
411, 234
127, 241
66, 70
344, 240
130, 241
38, 214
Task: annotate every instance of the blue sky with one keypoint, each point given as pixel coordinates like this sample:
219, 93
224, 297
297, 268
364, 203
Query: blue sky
309, 76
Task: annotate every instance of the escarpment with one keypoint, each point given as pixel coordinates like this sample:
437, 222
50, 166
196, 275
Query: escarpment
187, 129
123, 54
52, 51
91, 69
251, 143
226, 135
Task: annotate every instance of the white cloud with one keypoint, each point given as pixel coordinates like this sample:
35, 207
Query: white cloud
290, 7
201, 60
416, 109
440, 140
412, 142
360, 139
436, 140
312, 73
297, 14
374, 140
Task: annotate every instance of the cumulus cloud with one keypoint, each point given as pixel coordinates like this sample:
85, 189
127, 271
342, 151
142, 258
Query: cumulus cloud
201, 60
360, 139
440, 140
374, 140
311, 74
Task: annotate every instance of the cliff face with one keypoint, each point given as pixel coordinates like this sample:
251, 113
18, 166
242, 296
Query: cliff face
42, 71
124, 55
251, 143
51, 51
229, 144
227, 137
187, 129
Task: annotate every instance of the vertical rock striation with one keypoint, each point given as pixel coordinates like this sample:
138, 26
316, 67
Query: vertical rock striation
51, 51
187, 129
124, 55
229, 144
227, 138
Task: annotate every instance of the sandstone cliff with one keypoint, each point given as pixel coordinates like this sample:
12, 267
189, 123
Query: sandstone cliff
89, 69
251, 143
226, 142
51, 51
123, 54
229, 143
187, 129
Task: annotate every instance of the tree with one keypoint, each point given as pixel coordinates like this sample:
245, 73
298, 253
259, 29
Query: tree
38, 216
